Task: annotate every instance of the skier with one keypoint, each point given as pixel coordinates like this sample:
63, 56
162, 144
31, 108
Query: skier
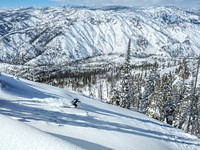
75, 101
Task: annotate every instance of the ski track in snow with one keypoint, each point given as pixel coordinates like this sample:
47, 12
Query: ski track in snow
93, 125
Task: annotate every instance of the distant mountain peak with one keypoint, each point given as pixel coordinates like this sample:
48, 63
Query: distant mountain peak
56, 35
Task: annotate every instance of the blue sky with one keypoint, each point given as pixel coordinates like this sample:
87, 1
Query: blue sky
41, 3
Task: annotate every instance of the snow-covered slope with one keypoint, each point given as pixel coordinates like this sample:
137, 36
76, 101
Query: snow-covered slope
57, 35
46, 120
19, 136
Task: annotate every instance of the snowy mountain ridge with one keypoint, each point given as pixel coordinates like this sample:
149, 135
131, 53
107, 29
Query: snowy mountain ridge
60, 35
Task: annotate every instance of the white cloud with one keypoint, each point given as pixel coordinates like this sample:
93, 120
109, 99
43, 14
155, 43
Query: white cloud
179, 3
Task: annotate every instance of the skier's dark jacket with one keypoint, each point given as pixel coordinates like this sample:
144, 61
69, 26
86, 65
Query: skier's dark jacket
75, 101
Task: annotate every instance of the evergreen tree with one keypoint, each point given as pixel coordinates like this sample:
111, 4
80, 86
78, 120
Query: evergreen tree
195, 122
155, 102
182, 92
183, 120
136, 93
193, 106
152, 79
115, 97
125, 93
168, 99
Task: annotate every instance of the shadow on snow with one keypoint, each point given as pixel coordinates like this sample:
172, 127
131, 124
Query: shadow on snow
25, 113
82, 143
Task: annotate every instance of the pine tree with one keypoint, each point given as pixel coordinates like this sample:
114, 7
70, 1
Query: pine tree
136, 93
155, 102
196, 112
115, 97
126, 97
152, 79
168, 99
193, 106
182, 92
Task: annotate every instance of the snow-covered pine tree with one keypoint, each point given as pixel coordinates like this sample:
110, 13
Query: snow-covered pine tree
181, 91
136, 92
125, 91
114, 97
114, 94
155, 102
152, 79
195, 121
182, 116
168, 99
193, 117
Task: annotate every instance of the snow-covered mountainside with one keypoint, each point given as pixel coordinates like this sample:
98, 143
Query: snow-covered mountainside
60, 35
38, 116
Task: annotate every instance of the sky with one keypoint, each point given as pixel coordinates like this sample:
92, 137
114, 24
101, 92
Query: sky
98, 3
